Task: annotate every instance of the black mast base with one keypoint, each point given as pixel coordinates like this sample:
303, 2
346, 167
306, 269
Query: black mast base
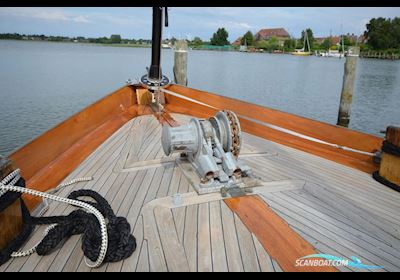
154, 84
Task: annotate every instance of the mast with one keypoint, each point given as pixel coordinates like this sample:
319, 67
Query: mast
155, 68
154, 78
343, 44
341, 29
308, 42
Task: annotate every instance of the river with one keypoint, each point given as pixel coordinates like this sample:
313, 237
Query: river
43, 83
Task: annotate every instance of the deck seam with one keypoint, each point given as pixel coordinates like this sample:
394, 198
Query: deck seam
323, 230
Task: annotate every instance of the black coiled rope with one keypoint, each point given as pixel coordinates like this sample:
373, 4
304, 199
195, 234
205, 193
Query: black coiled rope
121, 243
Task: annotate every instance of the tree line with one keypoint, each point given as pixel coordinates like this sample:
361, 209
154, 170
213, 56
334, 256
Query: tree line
113, 39
381, 34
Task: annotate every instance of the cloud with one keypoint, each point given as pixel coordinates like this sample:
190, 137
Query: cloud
230, 25
81, 19
48, 14
193, 21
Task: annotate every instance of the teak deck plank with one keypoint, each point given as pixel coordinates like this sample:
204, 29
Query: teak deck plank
204, 239
217, 238
246, 245
351, 191
357, 247
347, 236
264, 260
312, 202
233, 254
282, 244
211, 236
190, 236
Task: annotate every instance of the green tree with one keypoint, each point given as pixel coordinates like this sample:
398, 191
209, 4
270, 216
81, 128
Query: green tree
220, 38
197, 42
103, 40
115, 39
262, 44
269, 45
14, 36
383, 33
396, 31
289, 45
173, 40
273, 43
344, 41
327, 43
247, 39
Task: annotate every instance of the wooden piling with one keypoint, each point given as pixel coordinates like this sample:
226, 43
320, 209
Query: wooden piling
180, 62
11, 216
389, 170
348, 86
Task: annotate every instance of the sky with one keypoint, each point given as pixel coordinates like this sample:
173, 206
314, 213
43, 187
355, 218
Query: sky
187, 22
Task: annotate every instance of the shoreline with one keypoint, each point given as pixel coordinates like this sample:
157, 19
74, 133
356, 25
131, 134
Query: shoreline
83, 43
362, 55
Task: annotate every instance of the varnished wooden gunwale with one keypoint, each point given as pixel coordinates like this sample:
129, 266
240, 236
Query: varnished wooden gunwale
35, 155
46, 160
323, 131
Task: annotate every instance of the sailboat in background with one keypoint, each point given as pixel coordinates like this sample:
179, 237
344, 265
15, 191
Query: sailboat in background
335, 53
243, 48
302, 52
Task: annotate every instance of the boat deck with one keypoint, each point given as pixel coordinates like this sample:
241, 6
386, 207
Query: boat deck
339, 210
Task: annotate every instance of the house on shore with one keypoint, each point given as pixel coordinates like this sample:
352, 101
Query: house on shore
336, 39
237, 42
265, 34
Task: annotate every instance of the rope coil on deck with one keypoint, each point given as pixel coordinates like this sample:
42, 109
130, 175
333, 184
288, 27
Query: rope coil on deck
101, 241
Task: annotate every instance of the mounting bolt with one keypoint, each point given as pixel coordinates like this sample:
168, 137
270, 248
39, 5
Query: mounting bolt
224, 192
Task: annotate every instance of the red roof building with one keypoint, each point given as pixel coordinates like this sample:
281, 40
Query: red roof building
265, 34
237, 42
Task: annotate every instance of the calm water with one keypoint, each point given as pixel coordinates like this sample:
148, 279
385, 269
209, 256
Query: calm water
42, 84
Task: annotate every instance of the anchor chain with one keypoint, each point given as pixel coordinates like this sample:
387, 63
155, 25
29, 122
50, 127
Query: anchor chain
235, 132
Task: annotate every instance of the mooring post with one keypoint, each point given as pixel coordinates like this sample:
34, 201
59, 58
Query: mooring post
389, 169
180, 62
349, 79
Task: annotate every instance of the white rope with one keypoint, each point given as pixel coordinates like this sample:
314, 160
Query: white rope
46, 204
26, 253
287, 131
7, 184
